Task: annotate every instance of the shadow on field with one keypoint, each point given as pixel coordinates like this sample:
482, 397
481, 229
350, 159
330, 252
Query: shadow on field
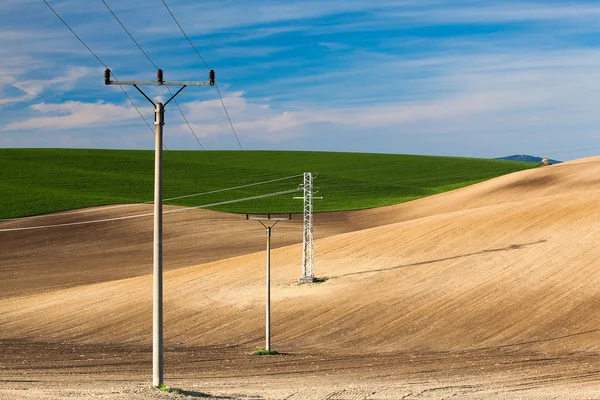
508, 248
202, 395
543, 340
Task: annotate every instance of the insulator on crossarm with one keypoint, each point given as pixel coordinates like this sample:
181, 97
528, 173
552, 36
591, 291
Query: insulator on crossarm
159, 75
211, 76
107, 80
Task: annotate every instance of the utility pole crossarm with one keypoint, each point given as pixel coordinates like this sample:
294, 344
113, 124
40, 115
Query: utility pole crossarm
268, 217
165, 83
159, 81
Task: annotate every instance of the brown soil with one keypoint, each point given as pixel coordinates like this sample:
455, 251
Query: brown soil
485, 292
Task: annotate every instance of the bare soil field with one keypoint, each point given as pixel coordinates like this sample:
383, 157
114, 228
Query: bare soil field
489, 291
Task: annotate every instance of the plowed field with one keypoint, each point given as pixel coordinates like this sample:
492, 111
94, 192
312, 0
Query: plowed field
490, 291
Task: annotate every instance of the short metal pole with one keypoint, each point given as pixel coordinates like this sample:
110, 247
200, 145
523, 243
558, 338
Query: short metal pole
157, 309
274, 221
268, 321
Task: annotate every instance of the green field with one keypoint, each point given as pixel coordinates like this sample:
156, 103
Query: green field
38, 181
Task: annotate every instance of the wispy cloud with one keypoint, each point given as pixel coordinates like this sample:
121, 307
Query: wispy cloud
73, 115
30, 89
255, 119
511, 11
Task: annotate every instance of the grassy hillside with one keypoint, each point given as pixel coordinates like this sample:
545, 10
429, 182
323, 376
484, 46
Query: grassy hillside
37, 181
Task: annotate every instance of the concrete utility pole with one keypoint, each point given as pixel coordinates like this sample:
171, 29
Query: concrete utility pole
308, 259
268, 279
159, 121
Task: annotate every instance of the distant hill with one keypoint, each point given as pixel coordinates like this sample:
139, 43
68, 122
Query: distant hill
526, 158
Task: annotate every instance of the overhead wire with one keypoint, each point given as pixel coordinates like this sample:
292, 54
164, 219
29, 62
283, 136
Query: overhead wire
184, 34
74, 34
207, 67
228, 117
234, 188
152, 213
62, 214
322, 187
101, 62
134, 41
155, 66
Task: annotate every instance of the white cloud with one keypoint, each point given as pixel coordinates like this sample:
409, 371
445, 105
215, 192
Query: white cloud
259, 121
73, 75
247, 51
72, 115
450, 108
30, 89
334, 46
267, 15
519, 11
231, 14
255, 120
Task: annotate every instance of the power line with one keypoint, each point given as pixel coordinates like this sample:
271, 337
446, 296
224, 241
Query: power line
156, 67
101, 62
228, 118
150, 214
186, 120
207, 67
236, 187
184, 34
62, 214
73, 32
134, 41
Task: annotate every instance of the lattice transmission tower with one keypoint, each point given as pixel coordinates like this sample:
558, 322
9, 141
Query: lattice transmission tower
308, 259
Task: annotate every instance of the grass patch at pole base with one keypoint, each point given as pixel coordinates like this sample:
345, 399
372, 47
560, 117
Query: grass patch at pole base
168, 389
264, 352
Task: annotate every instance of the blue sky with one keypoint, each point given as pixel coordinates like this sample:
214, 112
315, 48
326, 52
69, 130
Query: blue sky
440, 77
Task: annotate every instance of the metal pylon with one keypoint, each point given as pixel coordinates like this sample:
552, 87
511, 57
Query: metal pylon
308, 272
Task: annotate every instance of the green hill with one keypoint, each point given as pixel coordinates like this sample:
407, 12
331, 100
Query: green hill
38, 181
